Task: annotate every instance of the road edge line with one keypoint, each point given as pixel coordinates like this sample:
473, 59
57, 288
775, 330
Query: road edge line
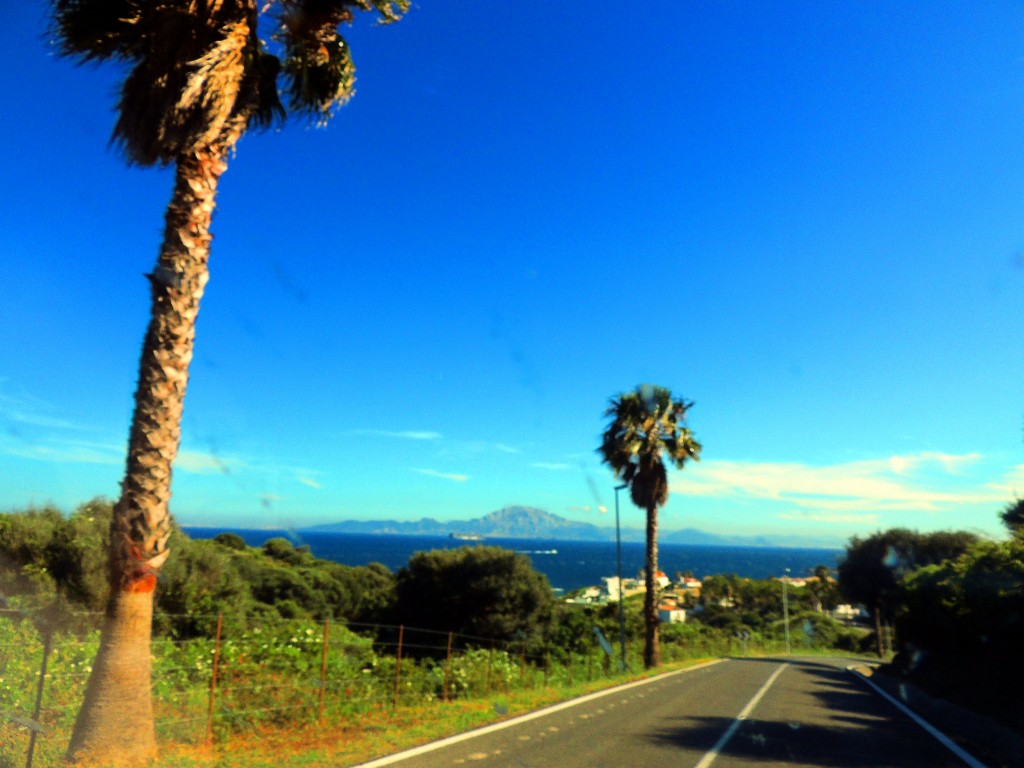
711, 754
549, 710
930, 729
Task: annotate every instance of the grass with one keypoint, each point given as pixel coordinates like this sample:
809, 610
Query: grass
379, 732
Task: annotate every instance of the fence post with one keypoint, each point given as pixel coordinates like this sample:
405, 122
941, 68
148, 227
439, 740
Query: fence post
213, 679
490, 663
522, 666
323, 671
47, 639
447, 666
398, 662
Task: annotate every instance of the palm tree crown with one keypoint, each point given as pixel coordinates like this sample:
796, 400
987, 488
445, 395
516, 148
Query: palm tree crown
200, 72
647, 424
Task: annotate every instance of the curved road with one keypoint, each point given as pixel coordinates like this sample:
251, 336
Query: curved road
792, 712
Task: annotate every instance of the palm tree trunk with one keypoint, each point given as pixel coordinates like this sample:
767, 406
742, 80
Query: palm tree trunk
652, 652
115, 723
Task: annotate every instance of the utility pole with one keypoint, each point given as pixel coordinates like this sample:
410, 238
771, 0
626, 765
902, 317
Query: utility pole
622, 597
785, 608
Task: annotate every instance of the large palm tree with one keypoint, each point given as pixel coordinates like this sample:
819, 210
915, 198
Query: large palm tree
199, 75
648, 427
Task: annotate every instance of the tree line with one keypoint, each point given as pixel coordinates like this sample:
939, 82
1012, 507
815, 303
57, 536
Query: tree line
955, 604
54, 570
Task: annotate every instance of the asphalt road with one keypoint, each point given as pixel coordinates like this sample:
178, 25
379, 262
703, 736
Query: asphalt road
793, 712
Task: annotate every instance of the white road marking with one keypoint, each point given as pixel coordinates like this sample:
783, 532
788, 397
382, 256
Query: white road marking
938, 735
434, 745
709, 758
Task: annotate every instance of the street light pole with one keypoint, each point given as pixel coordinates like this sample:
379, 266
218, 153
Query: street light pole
618, 557
785, 608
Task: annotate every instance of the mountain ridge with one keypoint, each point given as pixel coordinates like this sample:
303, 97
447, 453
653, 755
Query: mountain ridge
523, 522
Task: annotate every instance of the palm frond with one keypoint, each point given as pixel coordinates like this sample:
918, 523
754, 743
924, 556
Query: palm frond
199, 72
389, 10
260, 89
646, 425
186, 86
97, 29
318, 66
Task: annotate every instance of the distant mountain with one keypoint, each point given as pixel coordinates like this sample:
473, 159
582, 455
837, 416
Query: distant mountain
519, 522
510, 522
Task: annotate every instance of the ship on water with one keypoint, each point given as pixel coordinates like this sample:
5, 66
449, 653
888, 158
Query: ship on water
466, 536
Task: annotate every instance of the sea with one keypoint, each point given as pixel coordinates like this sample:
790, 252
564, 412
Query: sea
569, 565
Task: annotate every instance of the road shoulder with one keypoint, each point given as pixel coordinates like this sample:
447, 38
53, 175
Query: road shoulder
993, 744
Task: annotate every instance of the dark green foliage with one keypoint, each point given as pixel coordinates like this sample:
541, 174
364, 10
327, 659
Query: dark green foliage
871, 571
1013, 517
282, 549
961, 627
199, 582
487, 592
51, 561
824, 588
572, 630
231, 541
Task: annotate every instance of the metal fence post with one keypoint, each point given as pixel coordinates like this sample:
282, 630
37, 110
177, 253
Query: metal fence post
522, 665
47, 639
447, 666
213, 679
323, 671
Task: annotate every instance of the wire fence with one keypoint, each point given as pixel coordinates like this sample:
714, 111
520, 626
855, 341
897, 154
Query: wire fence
242, 680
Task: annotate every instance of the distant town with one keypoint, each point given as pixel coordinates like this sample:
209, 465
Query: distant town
681, 596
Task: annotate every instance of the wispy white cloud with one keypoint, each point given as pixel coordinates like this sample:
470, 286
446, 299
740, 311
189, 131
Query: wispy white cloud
1012, 484
310, 482
578, 509
554, 467
443, 475
206, 463
409, 434
66, 451
926, 481
951, 463
868, 518
506, 448
32, 412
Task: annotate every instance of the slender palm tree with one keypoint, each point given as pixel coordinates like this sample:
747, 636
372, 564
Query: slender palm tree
647, 426
199, 75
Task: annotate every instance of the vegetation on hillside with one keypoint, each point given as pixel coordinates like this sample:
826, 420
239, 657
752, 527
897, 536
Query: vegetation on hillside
955, 604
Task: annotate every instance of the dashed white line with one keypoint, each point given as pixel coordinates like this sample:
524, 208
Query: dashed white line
709, 758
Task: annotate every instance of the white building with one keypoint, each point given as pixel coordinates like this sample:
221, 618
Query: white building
671, 614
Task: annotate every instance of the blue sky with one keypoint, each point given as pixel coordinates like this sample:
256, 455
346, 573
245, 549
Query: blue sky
807, 217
